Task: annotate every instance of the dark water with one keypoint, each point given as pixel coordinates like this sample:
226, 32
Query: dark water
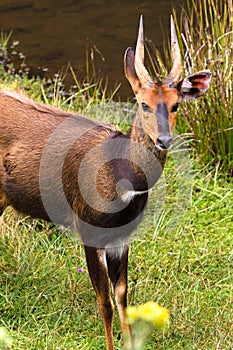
53, 33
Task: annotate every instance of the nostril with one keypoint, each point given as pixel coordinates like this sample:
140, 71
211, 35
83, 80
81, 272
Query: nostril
164, 141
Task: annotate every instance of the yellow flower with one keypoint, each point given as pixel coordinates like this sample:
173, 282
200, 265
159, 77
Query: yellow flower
155, 314
5, 340
150, 312
132, 314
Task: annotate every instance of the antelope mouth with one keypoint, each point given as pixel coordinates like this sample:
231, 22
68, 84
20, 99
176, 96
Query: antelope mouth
163, 149
164, 143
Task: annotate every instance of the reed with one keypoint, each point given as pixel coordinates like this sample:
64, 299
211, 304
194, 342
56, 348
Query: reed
205, 31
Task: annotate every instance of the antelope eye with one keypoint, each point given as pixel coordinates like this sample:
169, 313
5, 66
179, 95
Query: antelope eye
175, 107
145, 107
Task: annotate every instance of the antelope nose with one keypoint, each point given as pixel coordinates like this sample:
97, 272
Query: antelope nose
164, 141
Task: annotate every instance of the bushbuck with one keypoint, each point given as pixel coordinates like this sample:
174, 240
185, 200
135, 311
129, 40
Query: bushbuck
87, 175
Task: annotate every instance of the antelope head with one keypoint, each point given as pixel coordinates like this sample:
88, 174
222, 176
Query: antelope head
159, 100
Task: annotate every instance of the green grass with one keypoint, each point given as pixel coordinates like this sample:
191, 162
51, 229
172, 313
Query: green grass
192, 271
187, 267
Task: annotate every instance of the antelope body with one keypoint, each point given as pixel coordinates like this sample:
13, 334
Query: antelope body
78, 172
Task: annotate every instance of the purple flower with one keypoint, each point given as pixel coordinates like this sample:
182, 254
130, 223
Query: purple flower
80, 270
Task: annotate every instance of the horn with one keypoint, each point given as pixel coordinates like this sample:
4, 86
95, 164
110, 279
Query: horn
140, 69
175, 73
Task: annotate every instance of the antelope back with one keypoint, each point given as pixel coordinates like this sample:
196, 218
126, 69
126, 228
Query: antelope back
26, 131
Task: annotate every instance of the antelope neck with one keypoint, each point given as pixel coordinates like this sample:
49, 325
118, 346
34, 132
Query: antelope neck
138, 135
145, 163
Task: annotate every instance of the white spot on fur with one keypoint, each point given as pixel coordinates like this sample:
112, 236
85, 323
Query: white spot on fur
128, 196
116, 251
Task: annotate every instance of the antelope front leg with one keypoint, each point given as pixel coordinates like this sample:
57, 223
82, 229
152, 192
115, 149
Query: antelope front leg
97, 267
118, 271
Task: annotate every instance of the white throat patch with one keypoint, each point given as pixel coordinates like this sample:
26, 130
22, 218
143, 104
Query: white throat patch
129, 195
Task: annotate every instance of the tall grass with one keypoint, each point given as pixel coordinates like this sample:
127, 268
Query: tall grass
205, 32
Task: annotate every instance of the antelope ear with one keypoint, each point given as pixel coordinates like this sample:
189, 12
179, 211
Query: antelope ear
194, 85
130, 71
